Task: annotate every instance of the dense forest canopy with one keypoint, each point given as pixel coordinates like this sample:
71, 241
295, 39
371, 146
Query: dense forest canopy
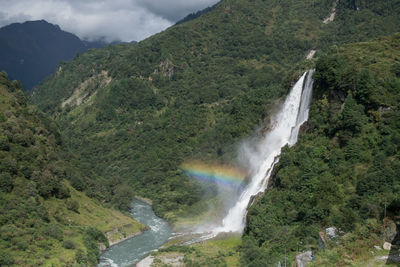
43, 219
136, 112
344, 171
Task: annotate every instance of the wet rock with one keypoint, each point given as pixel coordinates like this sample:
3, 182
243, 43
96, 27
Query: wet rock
255, 198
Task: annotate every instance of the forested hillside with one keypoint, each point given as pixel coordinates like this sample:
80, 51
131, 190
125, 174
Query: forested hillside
131, 114
43, 219
197, 14
344, 171
136, 112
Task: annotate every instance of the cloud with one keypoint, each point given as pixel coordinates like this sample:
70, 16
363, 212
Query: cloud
124, 20
174, 10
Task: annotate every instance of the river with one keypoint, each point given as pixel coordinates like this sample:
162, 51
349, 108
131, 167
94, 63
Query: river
262, 155
129, 252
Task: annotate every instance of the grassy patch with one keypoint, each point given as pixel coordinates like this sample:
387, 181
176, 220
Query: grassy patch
91, 213
221, 251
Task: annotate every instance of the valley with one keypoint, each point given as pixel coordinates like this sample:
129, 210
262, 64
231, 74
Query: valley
251, 129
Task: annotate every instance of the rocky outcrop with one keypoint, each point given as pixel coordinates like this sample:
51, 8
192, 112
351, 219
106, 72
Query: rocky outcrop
331, 232
311, 54
304, 258
324, 237
390, 230
102, 247
332, 14
87, 89
387, 246
166, 68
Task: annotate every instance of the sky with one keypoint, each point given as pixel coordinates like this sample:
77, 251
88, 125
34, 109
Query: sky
123, 20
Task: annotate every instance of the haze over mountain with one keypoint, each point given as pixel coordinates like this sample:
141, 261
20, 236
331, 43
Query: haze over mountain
31, 51
124, 20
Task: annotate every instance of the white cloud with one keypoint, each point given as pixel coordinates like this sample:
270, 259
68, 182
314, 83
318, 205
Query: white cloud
124, 20
173, 10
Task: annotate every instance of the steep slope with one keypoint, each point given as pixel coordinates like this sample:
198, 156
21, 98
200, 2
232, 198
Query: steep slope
192, 91
31, 51
137, 112
43, 219
344, 171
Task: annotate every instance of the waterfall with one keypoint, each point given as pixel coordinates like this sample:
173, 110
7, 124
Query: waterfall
304, 108
262, 157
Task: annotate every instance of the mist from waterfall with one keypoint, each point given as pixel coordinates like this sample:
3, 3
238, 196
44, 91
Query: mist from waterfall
262, 155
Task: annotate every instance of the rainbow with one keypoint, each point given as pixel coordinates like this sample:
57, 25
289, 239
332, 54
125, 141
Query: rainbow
221, 174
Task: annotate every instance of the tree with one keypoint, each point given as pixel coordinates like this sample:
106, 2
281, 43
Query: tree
6, 182
353, 117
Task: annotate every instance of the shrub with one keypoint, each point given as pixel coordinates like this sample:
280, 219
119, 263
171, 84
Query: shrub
54, 231
68, 244
72, 205
80, 256
6, 259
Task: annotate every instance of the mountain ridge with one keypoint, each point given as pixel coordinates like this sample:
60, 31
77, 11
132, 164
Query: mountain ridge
30, 51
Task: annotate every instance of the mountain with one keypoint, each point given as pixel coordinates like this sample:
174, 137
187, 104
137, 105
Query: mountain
31, 51
194, 90
344, 170
136, 113
189, 92
45, 218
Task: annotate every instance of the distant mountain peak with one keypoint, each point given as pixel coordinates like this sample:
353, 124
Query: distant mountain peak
31, 51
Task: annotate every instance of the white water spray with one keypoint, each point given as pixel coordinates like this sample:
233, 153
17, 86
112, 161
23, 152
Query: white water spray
263, 156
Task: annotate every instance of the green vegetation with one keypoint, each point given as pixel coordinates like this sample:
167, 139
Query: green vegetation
43, 220
134, 113
197, 14
221, 251
344, 170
